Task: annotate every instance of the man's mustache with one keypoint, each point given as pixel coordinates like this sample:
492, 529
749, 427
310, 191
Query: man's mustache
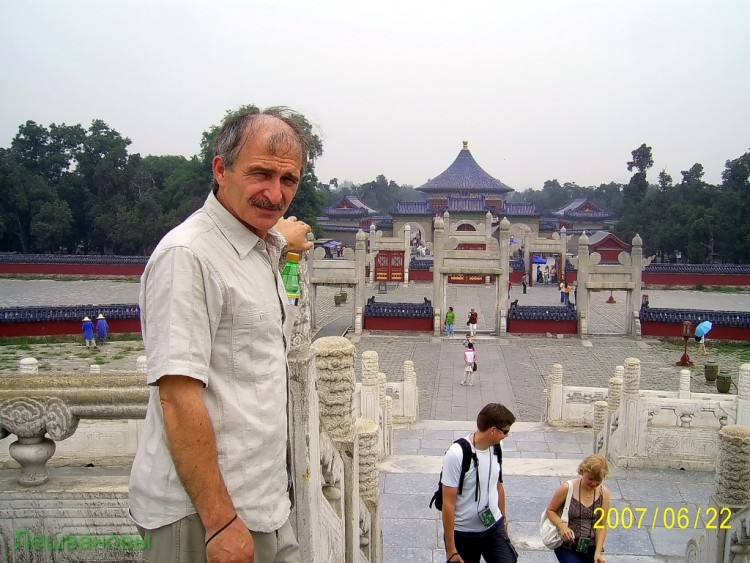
264, 204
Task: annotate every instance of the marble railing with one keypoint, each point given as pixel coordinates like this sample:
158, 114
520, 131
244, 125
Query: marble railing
644, 428
335, 454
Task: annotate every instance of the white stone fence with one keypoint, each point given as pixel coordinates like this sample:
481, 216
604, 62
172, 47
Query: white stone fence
334, 451
643, 428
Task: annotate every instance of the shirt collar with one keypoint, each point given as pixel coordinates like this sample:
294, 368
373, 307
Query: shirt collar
239, 236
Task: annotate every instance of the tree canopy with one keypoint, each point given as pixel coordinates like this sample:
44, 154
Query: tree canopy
77, 190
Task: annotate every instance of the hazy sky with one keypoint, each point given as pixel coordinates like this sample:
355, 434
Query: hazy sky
541, 89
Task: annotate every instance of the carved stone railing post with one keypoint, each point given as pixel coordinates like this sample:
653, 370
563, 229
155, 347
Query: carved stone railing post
743, 396
502, 281
29, 365
410, 398
555, 394
582, 296
684, 384
407, 251
438, 293
360, 293
732, 493
369, 453
614, 390
600, 419
627, 443
369, 391
383, 423
371, 253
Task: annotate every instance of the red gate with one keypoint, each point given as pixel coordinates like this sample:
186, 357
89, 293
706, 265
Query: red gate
389, 265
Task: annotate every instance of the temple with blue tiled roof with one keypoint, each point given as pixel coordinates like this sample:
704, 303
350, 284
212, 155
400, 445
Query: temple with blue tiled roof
465, 190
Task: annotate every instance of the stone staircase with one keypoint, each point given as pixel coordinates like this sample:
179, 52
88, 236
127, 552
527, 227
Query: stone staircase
537, 459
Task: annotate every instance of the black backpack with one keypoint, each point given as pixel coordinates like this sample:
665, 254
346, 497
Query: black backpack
468, 456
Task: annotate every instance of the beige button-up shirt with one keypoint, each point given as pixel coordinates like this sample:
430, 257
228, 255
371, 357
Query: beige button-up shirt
213, 308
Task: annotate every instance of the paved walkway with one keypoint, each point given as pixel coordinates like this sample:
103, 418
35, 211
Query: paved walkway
536, 460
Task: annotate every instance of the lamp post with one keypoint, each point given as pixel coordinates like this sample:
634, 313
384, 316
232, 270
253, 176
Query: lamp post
685, 360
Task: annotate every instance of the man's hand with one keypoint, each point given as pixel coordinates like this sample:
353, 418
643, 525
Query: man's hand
233, 545
454, 558
295, 233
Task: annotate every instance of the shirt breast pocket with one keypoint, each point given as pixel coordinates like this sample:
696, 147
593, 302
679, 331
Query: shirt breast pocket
257, 345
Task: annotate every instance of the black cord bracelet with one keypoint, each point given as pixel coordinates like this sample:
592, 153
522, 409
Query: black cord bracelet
224, 527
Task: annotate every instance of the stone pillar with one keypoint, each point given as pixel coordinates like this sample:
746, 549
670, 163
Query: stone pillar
633, 302
684, 384
382, 423
527, 251
630, 414
504, 278
743, 396
360, 295
556, 399
410, 398
613, 392
335, 358
732, 488
447, 224
582, 295
388, 427
563, 254
28, 365
438, 295
369, 481
371, 253
407, 252
368, 392
487, 227
600, 422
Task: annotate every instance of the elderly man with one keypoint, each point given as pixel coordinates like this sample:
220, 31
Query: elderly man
210, 480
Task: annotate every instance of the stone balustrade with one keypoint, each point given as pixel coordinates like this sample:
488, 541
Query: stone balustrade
335, 451
646, 428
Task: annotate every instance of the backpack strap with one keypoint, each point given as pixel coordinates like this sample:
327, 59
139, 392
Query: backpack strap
499, 456
468, 456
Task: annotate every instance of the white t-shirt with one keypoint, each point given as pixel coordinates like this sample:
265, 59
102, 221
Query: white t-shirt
468, 509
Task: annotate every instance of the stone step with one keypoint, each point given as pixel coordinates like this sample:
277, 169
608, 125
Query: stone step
537, 459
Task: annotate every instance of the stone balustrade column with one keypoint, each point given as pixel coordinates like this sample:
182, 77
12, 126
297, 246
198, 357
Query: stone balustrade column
627, 446
633, 298
600, 422
410, 397
614, 392
504, 278
438, 294
555, 388
743, 396
733, 467
382, 382
360, 293
388, 425
407, 252
334, 361
582, 295
732, 484
28, 365
371, 253
369, 479
368, 392
684, 384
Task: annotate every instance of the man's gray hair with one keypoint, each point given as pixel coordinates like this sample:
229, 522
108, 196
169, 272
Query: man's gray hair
240, 126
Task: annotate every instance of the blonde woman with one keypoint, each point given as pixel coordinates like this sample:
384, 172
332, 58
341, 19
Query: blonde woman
582, 542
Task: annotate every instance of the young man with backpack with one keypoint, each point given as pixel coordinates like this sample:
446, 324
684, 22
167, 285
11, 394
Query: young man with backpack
472, 494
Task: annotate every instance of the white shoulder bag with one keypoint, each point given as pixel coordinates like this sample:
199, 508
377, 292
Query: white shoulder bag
551, 536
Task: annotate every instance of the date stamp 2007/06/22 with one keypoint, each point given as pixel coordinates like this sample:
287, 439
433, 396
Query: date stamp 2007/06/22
681, 518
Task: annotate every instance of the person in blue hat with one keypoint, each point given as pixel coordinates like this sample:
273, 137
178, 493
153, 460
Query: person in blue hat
88, 332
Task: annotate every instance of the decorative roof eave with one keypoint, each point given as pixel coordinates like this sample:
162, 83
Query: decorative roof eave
464, 174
